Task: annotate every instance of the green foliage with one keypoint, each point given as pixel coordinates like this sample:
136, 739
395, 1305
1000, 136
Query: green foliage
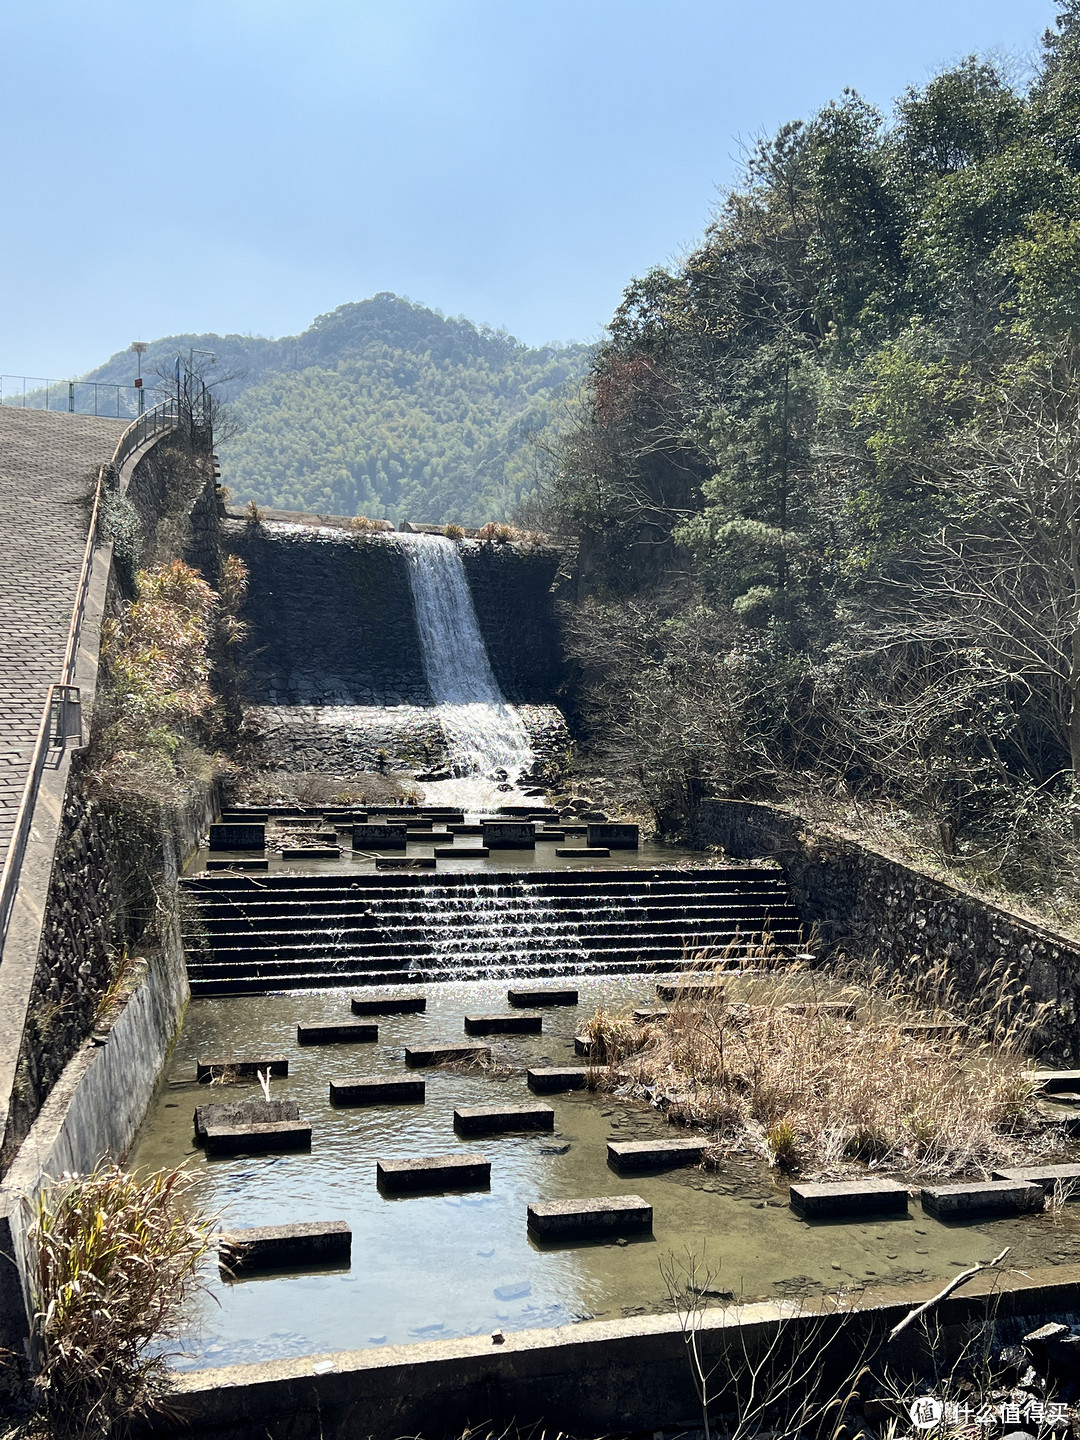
385, 408
825, 477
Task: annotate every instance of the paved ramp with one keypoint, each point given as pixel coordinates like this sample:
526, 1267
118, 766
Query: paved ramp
47, 464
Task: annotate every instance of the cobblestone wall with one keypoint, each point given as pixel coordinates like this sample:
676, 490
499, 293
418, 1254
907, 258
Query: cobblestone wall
515, 610
868, 904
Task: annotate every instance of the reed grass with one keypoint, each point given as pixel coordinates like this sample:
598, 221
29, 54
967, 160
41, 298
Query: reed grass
816, 1092
115, 1259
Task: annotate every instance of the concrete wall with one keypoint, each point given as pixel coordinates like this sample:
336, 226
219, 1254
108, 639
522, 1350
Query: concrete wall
597, 1377
869, 904
511, 592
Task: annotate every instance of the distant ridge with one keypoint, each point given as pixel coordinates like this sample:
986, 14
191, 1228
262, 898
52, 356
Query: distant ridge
381, 407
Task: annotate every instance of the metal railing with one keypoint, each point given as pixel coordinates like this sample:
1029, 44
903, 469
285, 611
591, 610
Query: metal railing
78, 397
61, 719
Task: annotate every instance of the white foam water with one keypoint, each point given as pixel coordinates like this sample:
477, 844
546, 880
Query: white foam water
486, 739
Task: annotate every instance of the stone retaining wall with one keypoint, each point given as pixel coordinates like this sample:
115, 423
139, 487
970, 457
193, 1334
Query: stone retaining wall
867, 904
511, 592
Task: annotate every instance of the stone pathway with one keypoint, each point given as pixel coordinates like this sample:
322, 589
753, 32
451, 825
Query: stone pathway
48, 461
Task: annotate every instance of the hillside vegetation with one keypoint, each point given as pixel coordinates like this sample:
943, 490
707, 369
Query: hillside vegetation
382, 408
826, 483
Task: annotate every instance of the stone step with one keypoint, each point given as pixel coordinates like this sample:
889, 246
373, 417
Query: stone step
378, 1090
256, 1137
637, 1155
433, 1172
502, 1119
284, 1247
994, 1197
838, 1198
601, 1217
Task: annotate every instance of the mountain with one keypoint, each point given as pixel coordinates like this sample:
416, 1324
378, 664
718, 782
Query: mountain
382, 408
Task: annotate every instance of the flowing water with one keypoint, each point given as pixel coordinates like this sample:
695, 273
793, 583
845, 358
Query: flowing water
486, 738
435, 1266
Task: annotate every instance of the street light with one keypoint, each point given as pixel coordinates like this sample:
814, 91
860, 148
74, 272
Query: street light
140, 347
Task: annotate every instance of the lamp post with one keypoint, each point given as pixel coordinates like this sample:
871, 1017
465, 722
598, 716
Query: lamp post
140, 348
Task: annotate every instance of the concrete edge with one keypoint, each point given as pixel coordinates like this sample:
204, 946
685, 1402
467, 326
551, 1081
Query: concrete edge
618, 1373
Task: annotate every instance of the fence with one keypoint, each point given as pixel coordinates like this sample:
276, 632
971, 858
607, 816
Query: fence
79, 397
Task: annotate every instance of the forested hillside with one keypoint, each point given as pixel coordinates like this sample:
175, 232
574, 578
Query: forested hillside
826, 485
380, 408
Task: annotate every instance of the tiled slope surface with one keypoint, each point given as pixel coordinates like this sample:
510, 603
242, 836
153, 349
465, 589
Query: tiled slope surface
47, 465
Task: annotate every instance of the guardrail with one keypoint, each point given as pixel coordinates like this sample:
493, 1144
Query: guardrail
78, 397
61, 719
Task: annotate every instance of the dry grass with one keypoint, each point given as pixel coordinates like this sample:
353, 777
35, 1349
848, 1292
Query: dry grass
813, 1091
115, 1260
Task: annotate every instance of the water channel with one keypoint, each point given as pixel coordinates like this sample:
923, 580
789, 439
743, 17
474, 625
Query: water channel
437, 1266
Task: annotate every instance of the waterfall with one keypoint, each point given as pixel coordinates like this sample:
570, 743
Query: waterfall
484, 735
477, 930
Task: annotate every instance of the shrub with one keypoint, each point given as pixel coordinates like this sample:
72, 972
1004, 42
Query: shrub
115, 1259
454, 532
499, 534
363, 526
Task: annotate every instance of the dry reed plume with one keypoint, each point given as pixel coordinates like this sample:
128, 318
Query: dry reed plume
115, 1260
815, 1089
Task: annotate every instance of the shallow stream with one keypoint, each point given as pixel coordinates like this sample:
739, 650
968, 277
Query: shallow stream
435, 1266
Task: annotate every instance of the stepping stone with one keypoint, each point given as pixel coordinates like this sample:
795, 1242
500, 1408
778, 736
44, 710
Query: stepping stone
575, 829
443, 1054
614, 837
690, 989
601, 1217
1054, 1079
833, 1198
554, 1079
498, 1119
837, 1009
245, 817
655, 1154
551, 834
582, 852
420, 823
250, 1138
241, 1065
378, 1090
243, 1112
509, 835
549, 996
237, 837
284, 1247
434, 1172
584, 1045
312, 852
1045, 1175
238, 864
379, 837
461, 852
344, 1033
416, 862
994, 1197
503, 1024
465, 829
389, 1004
648, 1015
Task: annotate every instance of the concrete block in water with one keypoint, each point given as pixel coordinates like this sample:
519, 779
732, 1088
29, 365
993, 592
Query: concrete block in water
413, 863
461, 852
434, 1172
654, 1154
402, 1004
551, 834
834, 1009
312, 852
498, 1119
549, 995
1048, 1176
284, 1247
848, 1197
504, 1024
650, 1013
257, 1137
615, 837
243, 1112
993, 1197
580, 1219
379, 837
582, 852
378, 1090
1054, 1079
237, 837
554, 1079
245, 1066
585, 1045
509, 835
689, 988
348, 1031
238, 864
245, 817
444, 1053
464, 829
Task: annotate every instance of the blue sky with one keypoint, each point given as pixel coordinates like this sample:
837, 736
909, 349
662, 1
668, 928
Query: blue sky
244, 165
